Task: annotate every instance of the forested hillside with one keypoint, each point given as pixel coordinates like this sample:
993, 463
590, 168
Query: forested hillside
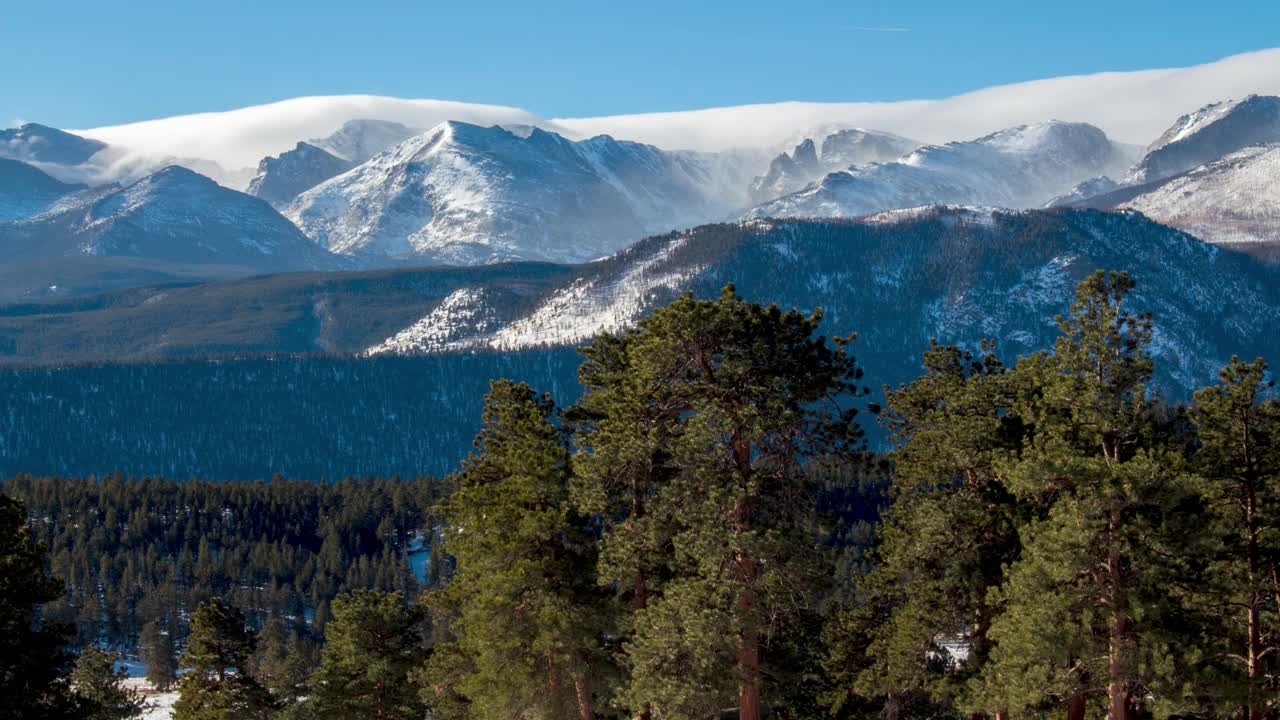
148, 551
311, 417
704, 533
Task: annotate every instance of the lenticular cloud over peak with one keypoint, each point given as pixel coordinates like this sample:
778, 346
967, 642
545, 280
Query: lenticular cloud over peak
1132, 107
240, 138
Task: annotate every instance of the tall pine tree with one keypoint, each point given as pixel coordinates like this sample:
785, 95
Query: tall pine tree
34, 661
707, 414
100, 687
1238, 424
156, 648
943, 547
522, 606
218, 685
1084, 607
372, 645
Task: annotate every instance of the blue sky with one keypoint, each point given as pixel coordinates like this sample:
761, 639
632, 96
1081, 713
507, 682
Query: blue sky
82, 64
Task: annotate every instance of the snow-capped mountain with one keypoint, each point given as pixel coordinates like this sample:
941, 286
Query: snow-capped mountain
898, 278
840, 150
281, 179
359, 140
1091, 188
61, 155
1131, 107
174, 215
26, 190
1232, 200
1214, 173
463, 194
35, 143
1210, 133
1020, 167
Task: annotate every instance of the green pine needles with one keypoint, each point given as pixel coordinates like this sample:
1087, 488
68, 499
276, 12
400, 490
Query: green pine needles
693, 539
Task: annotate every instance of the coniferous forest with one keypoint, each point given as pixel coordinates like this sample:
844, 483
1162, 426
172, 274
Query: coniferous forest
706, 532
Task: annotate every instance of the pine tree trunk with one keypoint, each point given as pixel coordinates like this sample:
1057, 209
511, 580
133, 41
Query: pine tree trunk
978, 646
749, 639
640, 592
1076, 707
749, 667
1117, 694
584, 698
1252, 710
553, 679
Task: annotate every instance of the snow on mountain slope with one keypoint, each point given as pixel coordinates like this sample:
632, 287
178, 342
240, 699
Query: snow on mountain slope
236, 140
281, 179
1019, 167
34, 143
1208, 134
840, 150
26, 191
359, 140
597, 302
1128, 106
1084, 191
464, 194
1229, 201
900, 278
174, 215
855, 146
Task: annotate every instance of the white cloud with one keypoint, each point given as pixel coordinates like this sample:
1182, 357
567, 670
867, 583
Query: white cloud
237, 139
1132, 107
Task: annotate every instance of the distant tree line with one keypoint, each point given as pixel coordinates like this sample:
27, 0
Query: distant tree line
137, 557
701, 535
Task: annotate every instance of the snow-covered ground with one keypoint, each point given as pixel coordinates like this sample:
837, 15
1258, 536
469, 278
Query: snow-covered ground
159, 704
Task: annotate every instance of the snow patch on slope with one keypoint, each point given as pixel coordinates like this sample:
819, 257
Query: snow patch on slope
1233, 200
588, 306
464, 312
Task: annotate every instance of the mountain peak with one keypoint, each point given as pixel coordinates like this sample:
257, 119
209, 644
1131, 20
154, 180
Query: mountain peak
33, 142
1018, 167
1207, 134
360, 139
462, 193
281, 179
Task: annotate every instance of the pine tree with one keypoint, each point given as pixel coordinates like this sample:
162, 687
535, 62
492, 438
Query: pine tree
521, 606
284, 661
624, 425
1084, 606
99, 686
34, 662
219, 685
371, 646
943, 546
1238, 425
739, 398
157, 651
